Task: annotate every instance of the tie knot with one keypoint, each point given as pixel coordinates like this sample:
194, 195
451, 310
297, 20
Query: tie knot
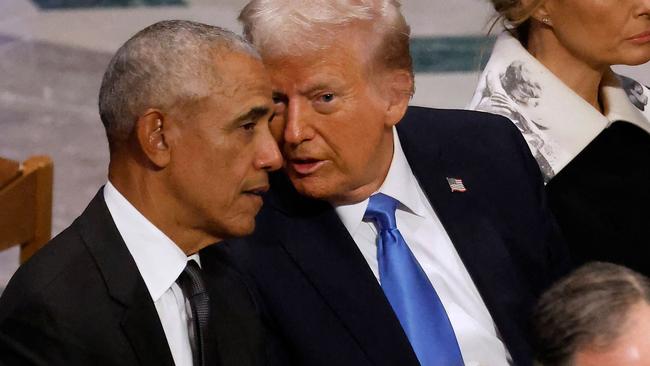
381, 209
191, 279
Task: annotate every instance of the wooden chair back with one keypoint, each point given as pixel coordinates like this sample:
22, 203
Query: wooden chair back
26, 204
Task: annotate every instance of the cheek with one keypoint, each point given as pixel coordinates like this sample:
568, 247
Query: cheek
573, 39
352, 136
595, 35
222, 171
228, 205
361, 146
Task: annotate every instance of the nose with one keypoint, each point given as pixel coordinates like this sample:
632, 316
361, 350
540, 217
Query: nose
296, 128
645, 8
268, 155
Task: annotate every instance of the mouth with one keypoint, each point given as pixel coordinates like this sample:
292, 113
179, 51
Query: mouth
257, 191
641, 37
305, 166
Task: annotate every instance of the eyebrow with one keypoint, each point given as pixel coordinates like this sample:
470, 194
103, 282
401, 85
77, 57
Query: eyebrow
320, 86
331, 85
254, 113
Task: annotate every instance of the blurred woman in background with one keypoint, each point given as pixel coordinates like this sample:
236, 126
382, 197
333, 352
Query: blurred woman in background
587, 127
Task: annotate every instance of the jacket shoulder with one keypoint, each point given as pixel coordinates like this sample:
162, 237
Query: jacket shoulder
458, 123
60, 258
462, 132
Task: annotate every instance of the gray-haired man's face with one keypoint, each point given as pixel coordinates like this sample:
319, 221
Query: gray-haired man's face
223, 149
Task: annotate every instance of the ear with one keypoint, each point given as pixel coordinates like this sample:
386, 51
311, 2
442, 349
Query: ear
398, 90
542, 14
150, 129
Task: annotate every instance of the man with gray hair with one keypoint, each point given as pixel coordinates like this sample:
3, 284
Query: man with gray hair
396, 235
137, 279
598, 315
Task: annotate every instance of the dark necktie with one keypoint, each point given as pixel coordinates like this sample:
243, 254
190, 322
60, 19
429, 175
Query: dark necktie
191, 282
409, 292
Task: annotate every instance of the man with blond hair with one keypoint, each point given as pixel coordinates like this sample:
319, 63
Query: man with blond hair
396, 235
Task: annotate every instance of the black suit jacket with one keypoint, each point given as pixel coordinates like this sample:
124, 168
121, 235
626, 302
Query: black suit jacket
81, 301
324, 300
601, 199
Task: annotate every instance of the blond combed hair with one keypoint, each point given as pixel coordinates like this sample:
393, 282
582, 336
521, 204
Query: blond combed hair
291, 28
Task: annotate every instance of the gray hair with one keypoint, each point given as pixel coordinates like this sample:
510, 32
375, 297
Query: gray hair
587, 308
167, 63
290, 27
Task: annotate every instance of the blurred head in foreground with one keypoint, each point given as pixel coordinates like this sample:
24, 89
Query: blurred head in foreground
598, 315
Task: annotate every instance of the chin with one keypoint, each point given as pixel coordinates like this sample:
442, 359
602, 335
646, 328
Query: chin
635, 57
313, 188
635, 61
242, 228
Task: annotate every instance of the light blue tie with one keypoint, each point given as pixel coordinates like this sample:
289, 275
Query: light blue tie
409, 291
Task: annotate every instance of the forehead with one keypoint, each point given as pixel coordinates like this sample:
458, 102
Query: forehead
342, 61
237, 70
240, 79
631, 348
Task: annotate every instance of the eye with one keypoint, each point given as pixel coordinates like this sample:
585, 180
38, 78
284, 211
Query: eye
326, 102
327, 98
279, 98
280, 101
249, 126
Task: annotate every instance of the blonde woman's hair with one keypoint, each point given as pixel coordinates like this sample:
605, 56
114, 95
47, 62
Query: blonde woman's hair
515, 16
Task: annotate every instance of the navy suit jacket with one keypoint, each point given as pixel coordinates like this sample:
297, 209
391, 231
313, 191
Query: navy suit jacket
81, 301
322, 298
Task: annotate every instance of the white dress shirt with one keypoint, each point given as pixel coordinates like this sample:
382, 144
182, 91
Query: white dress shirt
160, 261
433, 249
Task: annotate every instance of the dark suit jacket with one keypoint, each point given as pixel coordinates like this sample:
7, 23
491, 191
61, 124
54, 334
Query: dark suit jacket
324, 300
81, 301
601, 199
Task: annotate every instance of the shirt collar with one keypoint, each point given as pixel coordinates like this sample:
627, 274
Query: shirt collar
617, 102
557, 123
400, 183
159, 260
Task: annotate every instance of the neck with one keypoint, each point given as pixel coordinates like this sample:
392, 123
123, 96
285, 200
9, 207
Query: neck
143, 189
358, 194
581, 76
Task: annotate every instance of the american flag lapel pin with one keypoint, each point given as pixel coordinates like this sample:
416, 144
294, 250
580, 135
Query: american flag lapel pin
456, 185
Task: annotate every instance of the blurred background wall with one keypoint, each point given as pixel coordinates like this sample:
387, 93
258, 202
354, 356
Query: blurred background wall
53, 54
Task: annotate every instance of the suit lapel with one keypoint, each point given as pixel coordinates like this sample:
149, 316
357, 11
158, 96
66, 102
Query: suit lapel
327, 255
144, 331
469, 222
140, 323
237, 328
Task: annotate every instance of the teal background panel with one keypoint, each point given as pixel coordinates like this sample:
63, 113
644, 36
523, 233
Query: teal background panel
450, 53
